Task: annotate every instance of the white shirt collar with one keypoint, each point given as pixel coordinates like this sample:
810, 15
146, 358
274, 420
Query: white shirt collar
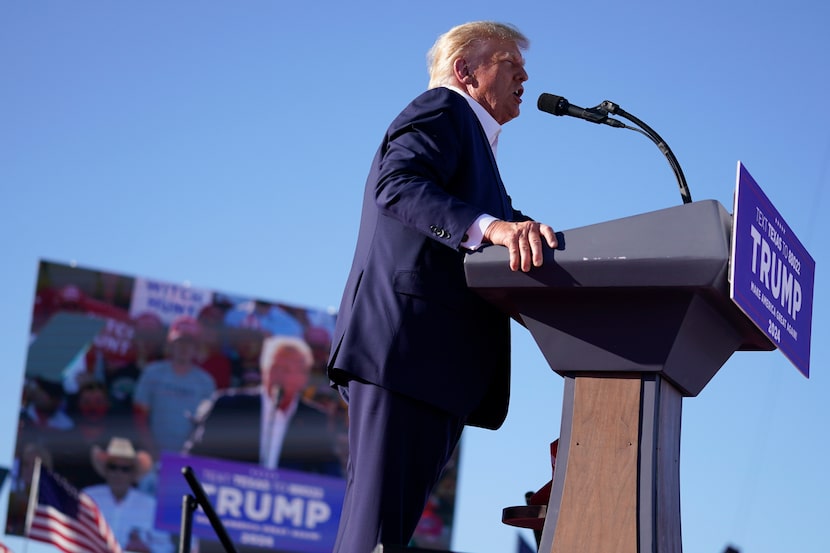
489, 124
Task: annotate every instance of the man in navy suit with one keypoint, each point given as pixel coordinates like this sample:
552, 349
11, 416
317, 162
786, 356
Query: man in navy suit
417, 354
272, 424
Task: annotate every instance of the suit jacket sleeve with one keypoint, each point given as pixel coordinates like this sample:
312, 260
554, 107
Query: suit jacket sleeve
425, 151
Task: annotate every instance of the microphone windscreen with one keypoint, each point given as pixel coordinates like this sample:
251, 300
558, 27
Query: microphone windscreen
551, 103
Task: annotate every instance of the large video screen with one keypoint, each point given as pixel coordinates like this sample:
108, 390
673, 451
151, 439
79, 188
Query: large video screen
130, 379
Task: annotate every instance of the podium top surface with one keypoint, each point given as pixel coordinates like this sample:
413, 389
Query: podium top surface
686, 246
645, 293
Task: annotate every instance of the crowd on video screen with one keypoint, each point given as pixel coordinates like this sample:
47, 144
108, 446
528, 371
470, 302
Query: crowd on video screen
122, 369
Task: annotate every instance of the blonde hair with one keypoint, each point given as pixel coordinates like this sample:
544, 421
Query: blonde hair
461, 41
272, 344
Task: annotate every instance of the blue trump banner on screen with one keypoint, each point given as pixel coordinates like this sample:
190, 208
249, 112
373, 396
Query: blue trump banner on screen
771, 273
274, 509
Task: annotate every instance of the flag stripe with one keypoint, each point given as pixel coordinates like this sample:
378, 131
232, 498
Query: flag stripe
68, 519
74, 536
87, 525
78, 536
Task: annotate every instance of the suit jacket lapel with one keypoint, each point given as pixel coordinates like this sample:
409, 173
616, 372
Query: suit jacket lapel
507, 210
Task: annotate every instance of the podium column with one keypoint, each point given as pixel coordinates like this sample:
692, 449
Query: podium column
616, 482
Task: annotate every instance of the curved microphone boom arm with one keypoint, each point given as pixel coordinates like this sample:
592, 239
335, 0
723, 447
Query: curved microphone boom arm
614, 109
560, 106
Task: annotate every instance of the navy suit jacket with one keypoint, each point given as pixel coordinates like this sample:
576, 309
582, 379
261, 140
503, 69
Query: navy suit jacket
407, 320
232, 427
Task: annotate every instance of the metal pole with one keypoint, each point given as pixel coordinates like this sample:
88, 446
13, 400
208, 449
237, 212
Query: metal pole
189, 505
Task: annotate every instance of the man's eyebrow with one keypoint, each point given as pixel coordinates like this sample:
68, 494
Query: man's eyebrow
509, 56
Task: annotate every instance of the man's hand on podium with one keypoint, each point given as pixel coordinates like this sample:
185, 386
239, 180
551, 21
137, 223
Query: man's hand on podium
523, 241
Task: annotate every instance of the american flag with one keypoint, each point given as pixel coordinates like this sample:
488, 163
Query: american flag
60, 515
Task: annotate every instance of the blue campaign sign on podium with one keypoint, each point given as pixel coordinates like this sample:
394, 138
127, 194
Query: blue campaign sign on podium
771, 273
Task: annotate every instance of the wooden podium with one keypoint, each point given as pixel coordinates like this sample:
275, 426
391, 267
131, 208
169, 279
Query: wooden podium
634, 314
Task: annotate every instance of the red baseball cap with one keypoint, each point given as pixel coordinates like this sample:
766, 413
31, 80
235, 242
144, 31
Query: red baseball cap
184, 327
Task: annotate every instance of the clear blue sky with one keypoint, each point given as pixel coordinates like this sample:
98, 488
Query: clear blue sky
226, 144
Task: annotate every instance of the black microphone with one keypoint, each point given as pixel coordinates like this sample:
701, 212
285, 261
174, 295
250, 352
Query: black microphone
276, 394
557, 105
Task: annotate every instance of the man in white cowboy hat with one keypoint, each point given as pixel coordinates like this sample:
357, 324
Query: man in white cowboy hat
129, 511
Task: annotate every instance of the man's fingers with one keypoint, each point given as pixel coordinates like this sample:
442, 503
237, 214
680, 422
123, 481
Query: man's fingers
550, 236
523, 241
527, 259
514, 260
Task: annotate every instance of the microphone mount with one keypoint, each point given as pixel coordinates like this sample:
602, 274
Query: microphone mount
599, 115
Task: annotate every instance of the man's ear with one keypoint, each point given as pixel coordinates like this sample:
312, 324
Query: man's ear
462, 71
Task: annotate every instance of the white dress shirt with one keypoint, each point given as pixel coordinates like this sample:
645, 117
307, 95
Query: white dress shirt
492, 129
274, 425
